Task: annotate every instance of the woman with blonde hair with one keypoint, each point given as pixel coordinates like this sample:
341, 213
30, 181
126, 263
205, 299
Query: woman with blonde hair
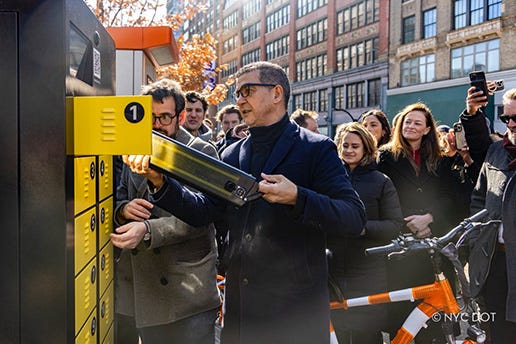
353, 272
414, 161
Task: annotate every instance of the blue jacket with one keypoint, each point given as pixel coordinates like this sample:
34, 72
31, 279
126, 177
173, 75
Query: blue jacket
276, 282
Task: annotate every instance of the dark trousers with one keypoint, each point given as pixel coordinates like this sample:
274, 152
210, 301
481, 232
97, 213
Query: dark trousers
197, 329
495, 296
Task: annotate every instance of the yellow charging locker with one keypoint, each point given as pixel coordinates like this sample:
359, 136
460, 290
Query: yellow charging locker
85, 238
105, 220
85, 194
105, 176
110, 337
88, 334
106, 312
111, 125
106, 271
85, 294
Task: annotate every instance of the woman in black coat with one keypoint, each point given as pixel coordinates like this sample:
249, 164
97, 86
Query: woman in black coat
354, 273
414, 162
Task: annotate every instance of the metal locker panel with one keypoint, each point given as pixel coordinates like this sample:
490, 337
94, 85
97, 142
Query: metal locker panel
88, 334
85, 294
85, 238
84, 180
9, 176
106, 312
105, 220
110, 336
106, 271
111, 125
105, 176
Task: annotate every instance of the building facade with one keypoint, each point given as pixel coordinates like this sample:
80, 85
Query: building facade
345, 57
335, 52
434, 45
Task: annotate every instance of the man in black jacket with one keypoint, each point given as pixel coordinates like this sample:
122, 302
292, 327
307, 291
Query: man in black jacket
493, 254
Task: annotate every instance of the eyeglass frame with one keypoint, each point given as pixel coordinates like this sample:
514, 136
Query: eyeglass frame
238, 93
505, 118
160, 118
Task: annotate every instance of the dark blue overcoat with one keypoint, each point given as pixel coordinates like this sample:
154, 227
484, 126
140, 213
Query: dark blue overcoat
276, 282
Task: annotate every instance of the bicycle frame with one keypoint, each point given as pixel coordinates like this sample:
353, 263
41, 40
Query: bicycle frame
436, 297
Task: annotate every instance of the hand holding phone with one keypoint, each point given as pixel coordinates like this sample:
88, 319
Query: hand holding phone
460, 136
478, 80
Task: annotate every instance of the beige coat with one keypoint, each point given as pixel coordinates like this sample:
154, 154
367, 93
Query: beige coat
174, 277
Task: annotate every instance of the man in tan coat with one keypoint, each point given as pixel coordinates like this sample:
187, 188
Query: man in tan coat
166, 275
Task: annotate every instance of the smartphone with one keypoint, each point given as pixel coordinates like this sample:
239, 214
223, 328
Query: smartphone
478, 80
460, 136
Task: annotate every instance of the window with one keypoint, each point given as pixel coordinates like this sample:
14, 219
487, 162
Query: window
429, 23
374, 90
277, 48
312, 34
251, 33
278, 18
323, 100
310, 101
251, 7
251, 56
232, 69
358, 15
306, 6
230, 21
229, 44
355, 98
298, 101
481, 56
338, 97
356, 55
409, 28
312, 67
471, 12
418, 70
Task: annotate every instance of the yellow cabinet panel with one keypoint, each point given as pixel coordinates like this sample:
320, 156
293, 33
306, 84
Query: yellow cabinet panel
85, 238
105, 176
110, 337
88, 334
111, 125
84, 181
85, 294
105, 220
106, 271
106, 312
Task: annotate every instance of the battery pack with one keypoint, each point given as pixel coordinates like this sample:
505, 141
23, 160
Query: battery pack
202, 171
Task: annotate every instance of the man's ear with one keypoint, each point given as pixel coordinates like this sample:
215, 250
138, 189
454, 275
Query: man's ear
182, 117
278, 94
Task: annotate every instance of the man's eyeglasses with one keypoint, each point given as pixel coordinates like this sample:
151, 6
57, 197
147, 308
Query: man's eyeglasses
164, 119
506, 118
245, 89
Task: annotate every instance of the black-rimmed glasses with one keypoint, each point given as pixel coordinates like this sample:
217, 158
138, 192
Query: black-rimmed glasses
506, 118
164, 119
245, 89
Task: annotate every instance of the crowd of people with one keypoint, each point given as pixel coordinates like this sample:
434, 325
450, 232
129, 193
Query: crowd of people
323, 202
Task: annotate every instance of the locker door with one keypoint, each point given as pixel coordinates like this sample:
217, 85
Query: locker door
9, 211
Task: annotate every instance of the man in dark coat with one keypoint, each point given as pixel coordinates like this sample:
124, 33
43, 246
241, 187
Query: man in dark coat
276, 282
493, 254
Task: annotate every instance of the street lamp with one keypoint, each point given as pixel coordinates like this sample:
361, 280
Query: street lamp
330, 119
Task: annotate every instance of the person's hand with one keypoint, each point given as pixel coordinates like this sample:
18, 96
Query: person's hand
129, 235
241, 130
475, 100
418, 224
277, 188
140, 164
137, 209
